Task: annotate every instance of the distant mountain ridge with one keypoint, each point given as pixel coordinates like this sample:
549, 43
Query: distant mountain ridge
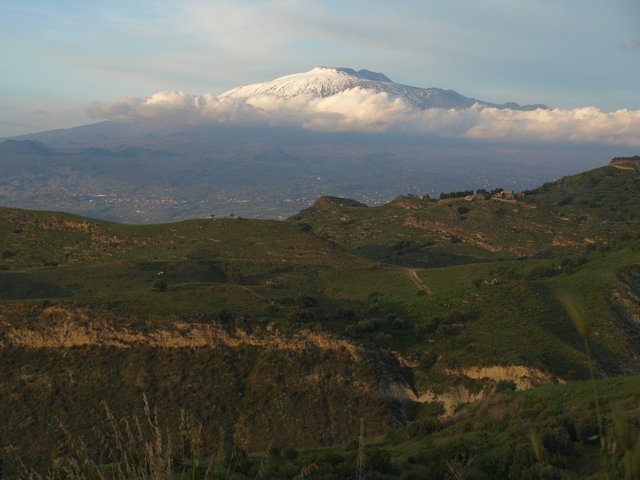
30, 148
24, 147
326, 82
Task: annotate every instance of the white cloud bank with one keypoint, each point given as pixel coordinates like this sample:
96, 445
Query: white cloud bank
359, 110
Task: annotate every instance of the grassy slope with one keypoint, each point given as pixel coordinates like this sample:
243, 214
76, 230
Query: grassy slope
112, 268
102, 262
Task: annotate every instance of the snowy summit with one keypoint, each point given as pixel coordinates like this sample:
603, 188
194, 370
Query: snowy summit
325, 82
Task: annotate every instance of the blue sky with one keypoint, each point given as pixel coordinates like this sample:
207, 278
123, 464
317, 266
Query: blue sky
57, 58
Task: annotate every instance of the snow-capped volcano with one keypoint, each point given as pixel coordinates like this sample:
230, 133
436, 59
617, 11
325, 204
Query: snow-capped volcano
325, 82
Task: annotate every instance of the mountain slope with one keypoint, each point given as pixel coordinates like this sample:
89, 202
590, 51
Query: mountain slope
24, 148
326, 82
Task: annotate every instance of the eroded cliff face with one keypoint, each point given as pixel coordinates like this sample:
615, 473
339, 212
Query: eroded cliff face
62, 327
488, 378
250, 385
626, 163
624, 303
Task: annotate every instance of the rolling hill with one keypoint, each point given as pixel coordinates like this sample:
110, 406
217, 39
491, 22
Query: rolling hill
286, 333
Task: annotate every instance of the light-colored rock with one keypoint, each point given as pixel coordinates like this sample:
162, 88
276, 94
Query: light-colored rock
67, 332
524, 378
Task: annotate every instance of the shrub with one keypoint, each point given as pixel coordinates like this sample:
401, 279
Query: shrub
565, 422
398, 323
455, 317
424, 428
160, 285
395, 435
406, 246
298, 314
373, 309
369, 325
352, 330
445, 330
290, 453
234, 276
353, 444
378, 458
347, 313
305, 301
521, 459
506, 386
587, 427
270, 309
492, 465
412, 475
579, 261
433, 324
437, 456
420, 329
274, 451
557, 441
625, 237
330, 458
506, 272
428, 360
541, 271
566, 200
237, 459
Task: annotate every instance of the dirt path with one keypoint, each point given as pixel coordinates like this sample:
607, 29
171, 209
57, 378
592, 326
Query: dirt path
411, 273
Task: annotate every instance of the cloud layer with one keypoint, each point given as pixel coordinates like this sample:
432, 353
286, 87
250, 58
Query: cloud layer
359, 110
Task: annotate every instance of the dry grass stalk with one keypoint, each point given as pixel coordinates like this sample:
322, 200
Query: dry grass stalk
306, 472
140, 450
581, 325
626, 448
536, 443
629, 442
460, 466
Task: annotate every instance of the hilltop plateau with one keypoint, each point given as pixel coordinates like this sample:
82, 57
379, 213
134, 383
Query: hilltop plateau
442, 322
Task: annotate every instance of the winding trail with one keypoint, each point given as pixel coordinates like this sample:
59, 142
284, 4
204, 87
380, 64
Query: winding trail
411, 273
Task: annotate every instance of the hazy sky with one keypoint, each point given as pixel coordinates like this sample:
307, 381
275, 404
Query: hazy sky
57, 58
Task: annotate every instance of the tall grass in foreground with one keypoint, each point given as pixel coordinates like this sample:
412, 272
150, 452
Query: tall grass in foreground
140, 450
581, 326
621, 451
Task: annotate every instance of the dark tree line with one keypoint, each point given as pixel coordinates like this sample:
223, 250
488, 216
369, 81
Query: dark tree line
460, 194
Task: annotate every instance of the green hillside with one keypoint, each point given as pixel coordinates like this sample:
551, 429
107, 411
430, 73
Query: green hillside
589, 210
287, 333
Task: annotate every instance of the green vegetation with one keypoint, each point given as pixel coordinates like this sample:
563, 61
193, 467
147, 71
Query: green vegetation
442, 323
